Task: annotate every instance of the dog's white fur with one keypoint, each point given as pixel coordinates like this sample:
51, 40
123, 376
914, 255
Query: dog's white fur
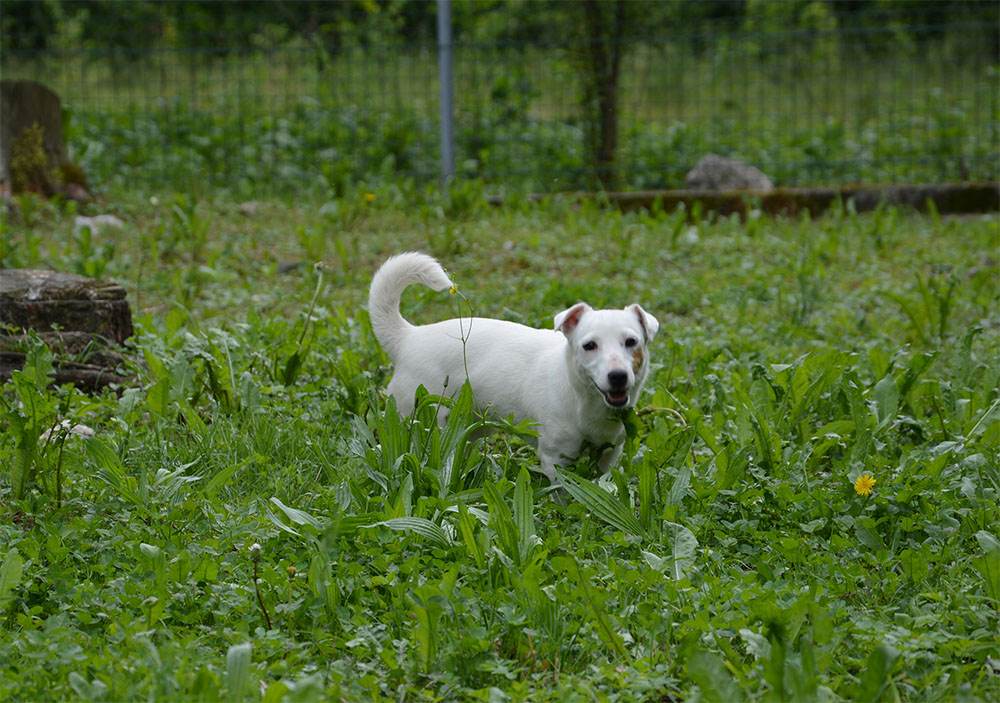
572, 379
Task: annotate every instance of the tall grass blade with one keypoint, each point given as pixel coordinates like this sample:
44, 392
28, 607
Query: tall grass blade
647, 479
238, 671
524, 516
467, 528
502, 523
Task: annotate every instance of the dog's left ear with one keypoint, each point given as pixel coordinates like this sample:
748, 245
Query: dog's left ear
567, 320
648, 322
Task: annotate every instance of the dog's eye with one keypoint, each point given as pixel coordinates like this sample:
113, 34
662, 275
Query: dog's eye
631, 342
589, 346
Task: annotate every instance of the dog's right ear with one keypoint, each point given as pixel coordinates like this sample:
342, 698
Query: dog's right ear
567, 320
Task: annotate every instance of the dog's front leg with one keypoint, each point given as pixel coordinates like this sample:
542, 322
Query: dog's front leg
548, 466
609, 458
549, 469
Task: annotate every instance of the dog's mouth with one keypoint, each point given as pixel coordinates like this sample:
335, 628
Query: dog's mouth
616, 399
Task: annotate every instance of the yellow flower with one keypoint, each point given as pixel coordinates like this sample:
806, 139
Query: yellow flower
453, 289
369, 197
863, 486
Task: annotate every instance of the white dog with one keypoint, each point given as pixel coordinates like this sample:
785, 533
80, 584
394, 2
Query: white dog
573, 379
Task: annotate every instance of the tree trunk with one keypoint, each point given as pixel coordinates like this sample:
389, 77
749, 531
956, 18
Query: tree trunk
605, 26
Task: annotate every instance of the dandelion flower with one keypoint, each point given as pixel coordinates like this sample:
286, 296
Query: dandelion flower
453, 289
369, 197
863, 486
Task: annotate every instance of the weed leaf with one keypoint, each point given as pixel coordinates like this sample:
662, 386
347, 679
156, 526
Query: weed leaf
10, 577
987, 541
600, 503
429, 605
417, 525
886, 401
680, 487
683, 546
988, 565
222, 478
717, 684
299, 517
876, 674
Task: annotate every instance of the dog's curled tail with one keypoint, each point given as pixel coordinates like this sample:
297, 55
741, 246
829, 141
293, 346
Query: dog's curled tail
390, 280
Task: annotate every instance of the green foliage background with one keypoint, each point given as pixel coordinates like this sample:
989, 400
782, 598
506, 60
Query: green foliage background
268, 98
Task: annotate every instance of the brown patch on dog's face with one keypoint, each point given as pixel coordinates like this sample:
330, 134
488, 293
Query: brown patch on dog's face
637, 359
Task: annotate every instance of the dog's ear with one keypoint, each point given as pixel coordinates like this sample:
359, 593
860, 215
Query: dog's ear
567, 320
648, 322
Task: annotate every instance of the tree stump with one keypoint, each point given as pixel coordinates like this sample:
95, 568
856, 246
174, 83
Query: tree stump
78, 317
33, 153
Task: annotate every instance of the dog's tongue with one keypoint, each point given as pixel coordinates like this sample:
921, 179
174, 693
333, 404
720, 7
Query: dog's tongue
618, 397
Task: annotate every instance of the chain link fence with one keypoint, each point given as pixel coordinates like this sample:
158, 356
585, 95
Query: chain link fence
884, 100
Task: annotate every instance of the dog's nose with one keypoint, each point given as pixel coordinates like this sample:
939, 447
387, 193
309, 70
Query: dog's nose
617, 379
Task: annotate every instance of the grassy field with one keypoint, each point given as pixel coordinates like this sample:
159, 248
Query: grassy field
252, 521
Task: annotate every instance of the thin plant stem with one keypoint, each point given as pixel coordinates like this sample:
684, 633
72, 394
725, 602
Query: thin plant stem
260, 600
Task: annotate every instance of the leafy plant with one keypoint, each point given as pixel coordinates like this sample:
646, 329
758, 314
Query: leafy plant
35, 417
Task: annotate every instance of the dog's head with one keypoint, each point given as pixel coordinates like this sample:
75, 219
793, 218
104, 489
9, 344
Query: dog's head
608, 349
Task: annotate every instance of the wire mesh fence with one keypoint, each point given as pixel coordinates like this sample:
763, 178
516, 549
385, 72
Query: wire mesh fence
888, 99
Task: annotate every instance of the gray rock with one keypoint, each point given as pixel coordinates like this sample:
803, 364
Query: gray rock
97, 222
714, 172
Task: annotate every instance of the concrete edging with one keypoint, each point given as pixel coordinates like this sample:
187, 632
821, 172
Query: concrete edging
948, 198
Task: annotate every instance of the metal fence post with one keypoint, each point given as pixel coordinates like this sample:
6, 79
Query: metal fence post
447, 90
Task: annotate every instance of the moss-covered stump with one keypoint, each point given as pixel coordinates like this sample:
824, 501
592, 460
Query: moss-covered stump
33, 155
79, 318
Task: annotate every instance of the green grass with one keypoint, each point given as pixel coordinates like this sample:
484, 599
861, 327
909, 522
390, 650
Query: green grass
727, 557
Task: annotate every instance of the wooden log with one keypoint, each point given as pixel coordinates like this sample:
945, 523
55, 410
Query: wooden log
79, 318
44, 300
87, 377
80, 347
